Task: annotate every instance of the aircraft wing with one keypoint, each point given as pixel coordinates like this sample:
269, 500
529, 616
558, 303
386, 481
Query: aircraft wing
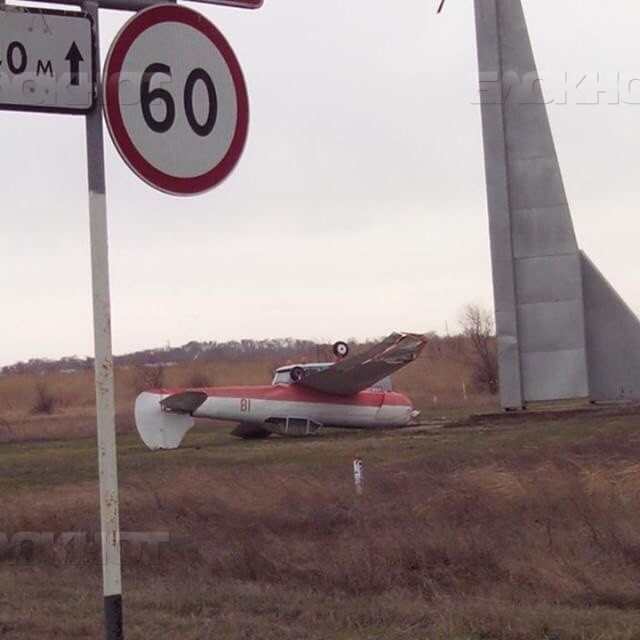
348, 377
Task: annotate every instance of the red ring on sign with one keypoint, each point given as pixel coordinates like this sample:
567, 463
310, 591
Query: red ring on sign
126, 148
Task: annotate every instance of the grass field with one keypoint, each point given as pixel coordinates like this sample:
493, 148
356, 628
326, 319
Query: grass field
436, 379
507, 529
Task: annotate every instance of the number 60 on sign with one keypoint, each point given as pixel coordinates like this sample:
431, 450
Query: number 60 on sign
175, 100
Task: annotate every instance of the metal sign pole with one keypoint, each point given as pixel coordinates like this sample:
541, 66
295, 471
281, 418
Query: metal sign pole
105, 401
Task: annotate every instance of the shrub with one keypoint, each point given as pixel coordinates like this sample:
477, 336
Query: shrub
45, 401
199, 378
150, 377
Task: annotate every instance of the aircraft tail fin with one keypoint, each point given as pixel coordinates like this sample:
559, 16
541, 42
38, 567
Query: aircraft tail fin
160, 428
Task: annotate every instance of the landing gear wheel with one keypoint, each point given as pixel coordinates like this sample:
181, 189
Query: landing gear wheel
340, 349
248, 431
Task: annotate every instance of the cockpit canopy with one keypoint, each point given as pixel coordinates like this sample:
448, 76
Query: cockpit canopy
283, 374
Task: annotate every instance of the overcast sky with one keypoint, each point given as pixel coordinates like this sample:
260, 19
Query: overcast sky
359, 204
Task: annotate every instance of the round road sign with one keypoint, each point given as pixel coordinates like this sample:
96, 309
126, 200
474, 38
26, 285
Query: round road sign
175, 100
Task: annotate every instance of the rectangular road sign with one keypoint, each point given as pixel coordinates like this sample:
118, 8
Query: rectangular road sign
46, 60
243, 4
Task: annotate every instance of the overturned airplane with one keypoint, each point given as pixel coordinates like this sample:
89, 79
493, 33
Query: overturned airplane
352, 393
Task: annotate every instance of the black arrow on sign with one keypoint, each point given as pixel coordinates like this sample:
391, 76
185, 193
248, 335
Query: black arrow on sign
75, 58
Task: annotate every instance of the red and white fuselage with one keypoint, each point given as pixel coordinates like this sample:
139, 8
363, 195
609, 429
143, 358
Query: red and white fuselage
262, 410
368, 408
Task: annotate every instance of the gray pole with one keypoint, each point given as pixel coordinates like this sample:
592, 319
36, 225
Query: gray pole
500, 233
105, 402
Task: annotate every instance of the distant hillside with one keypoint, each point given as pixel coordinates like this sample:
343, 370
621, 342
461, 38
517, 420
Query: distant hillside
192, 351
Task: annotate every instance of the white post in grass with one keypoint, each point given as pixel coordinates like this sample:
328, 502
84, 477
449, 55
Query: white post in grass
358, 474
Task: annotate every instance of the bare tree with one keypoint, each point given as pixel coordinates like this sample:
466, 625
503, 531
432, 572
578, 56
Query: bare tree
477, 324
44, 401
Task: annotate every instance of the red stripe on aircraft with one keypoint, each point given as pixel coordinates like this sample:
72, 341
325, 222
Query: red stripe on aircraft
295, 393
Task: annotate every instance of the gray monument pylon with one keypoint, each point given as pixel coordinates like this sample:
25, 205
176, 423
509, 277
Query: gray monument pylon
562, 330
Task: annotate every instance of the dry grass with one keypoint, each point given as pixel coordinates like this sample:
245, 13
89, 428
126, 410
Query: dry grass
435, 383
500, 533
75, 391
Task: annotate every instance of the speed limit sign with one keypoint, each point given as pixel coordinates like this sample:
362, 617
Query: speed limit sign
175, 100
